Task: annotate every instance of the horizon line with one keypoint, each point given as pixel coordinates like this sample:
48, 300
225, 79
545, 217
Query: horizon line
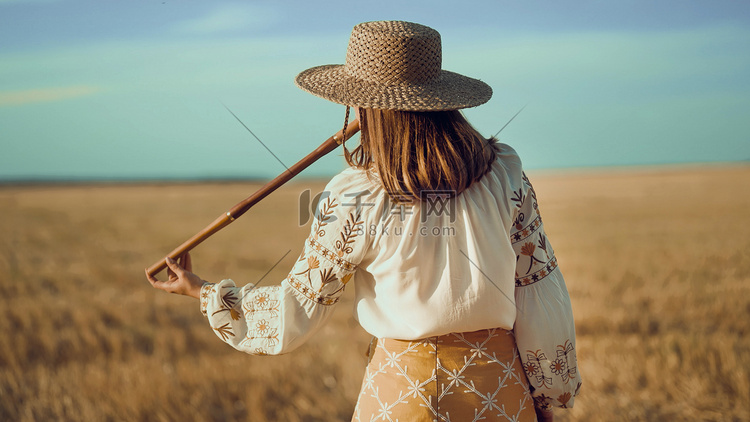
150, 179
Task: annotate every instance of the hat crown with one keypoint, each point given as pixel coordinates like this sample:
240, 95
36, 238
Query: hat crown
394, 51
394, 65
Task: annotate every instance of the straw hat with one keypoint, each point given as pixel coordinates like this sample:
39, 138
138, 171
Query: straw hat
394, 65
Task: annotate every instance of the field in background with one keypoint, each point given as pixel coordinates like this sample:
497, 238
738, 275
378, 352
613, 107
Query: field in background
656, 261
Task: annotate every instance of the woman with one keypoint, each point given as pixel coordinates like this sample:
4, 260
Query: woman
439, 232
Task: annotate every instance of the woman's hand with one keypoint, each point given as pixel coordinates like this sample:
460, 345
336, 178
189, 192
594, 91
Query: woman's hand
181, 280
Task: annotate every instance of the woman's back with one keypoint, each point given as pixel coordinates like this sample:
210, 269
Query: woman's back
437, 265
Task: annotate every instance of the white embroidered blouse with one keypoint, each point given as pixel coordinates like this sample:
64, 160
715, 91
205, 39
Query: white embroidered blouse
478, 260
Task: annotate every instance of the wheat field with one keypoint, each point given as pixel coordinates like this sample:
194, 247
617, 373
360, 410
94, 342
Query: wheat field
656, 261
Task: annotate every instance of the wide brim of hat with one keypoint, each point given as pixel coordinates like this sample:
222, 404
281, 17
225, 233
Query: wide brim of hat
449, 91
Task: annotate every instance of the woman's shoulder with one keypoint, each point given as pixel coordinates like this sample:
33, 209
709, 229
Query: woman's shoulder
507, 153
353, 181
507, 160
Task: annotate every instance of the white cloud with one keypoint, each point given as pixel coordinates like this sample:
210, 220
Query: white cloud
231, 17
43, 95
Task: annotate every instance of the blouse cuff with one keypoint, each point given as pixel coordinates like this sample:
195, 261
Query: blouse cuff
545, 335
206, 291
543, 403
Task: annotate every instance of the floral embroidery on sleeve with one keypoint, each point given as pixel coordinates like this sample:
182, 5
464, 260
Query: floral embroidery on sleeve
323, 217
262, 310
548, 374
228, 302
321, 274
527, 235
351, 229
206, 290
564, 365
248, 318
224, 331
536, 369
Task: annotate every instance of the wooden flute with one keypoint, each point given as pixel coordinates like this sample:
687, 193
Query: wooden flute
235, 212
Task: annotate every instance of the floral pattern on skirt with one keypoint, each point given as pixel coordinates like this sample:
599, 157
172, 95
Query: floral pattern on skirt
454, 377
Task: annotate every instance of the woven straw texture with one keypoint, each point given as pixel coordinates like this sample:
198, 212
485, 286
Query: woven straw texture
394, 65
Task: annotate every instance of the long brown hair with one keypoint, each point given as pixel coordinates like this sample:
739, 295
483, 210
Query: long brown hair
414, 152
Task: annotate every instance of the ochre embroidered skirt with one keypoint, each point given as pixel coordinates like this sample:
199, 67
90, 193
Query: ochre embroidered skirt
455, 377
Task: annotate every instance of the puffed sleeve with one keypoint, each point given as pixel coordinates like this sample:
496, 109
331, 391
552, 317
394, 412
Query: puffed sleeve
544, 328
270, 320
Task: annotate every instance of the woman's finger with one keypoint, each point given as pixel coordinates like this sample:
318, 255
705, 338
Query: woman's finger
188, 262
173, 269
151, 278
173, 265
184, 262
157, 284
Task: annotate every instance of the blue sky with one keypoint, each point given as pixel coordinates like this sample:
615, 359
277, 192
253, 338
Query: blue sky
136, 89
